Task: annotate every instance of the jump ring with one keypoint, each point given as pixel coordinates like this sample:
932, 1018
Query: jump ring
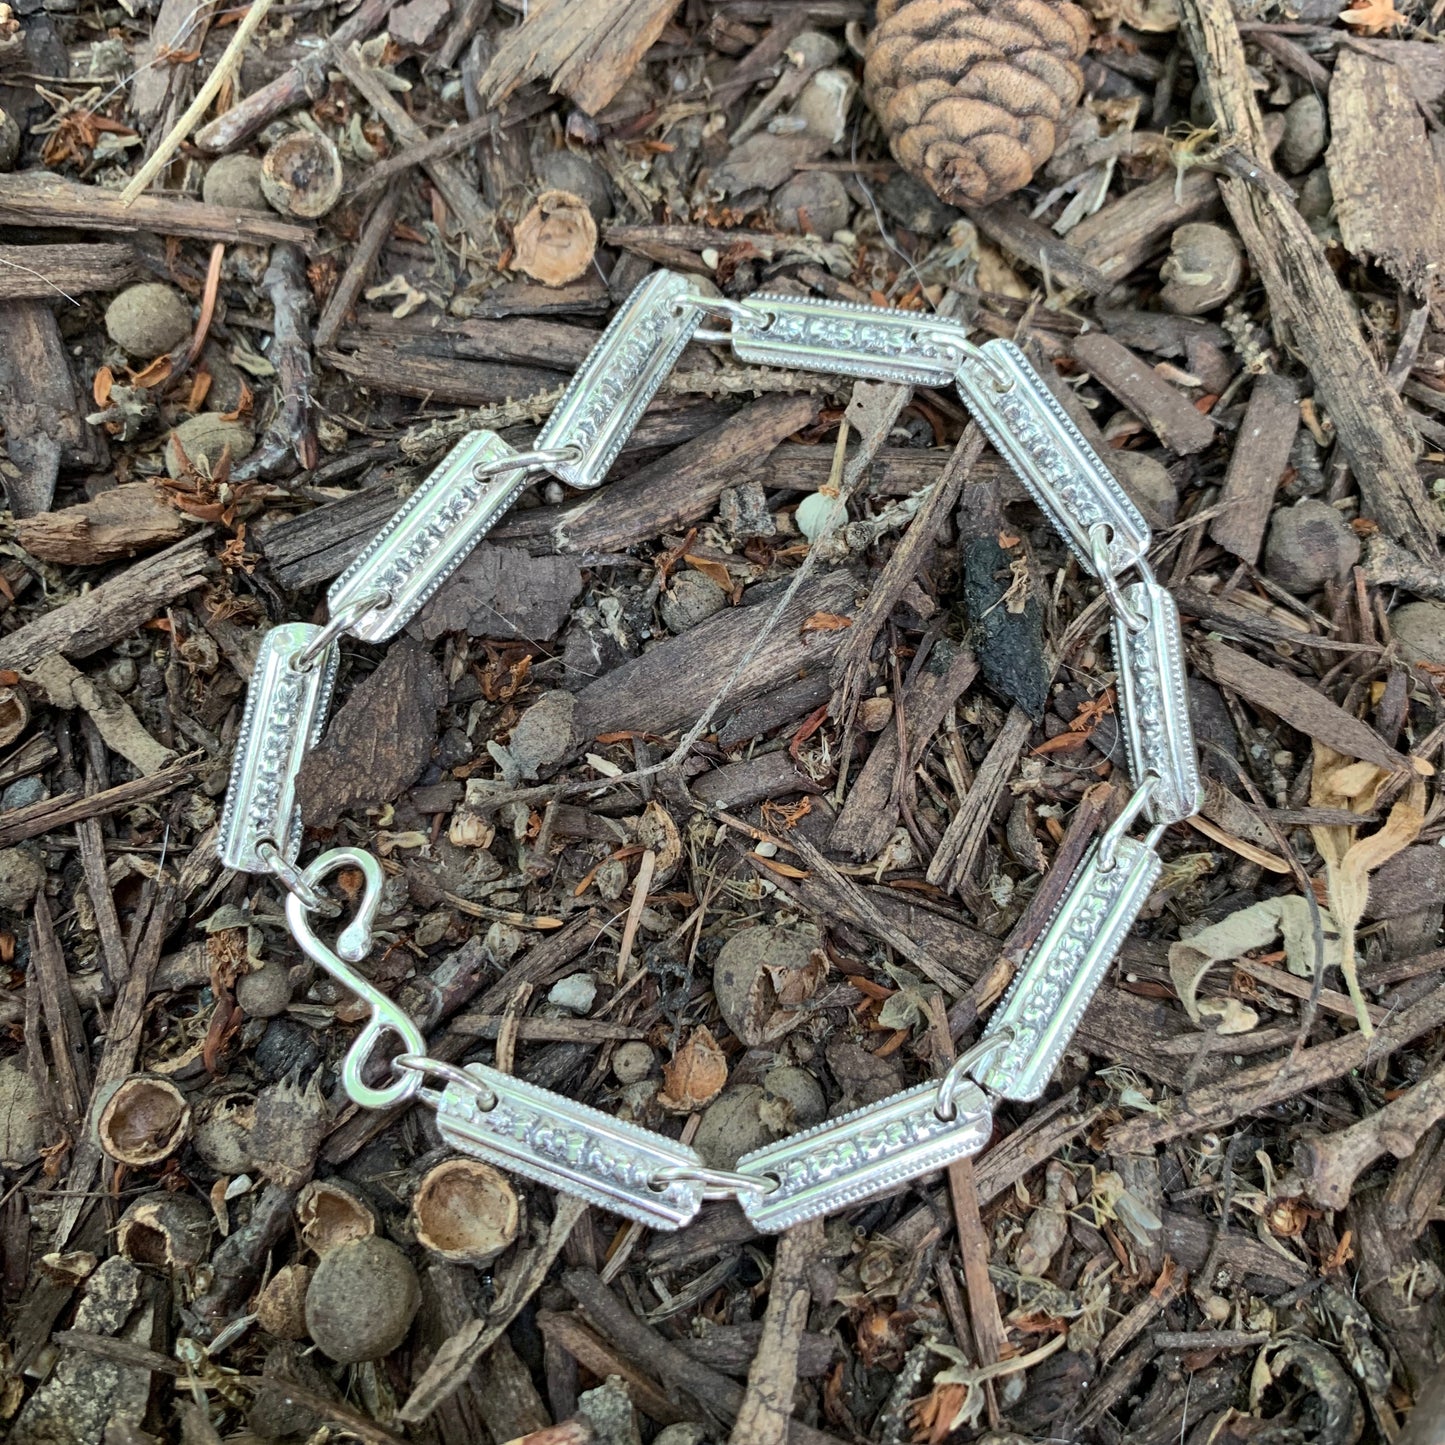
293, 880
424, 1065
717, 1183
537, 461
949, 1085
305, 660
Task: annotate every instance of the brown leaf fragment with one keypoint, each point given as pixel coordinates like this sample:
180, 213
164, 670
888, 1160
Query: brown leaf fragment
696, 1074
379, 742
556, 240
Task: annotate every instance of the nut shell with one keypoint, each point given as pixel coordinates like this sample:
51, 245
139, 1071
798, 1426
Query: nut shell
143, 1121
168, 1231
973, 97
466, 1211
332, 1214
281, 1305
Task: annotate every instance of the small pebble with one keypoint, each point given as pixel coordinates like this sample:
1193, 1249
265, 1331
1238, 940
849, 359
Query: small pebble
121, 675
148, 320
1148, 484
418, 22
691, 598
566, 170
1308, 545
731, 1126
235, 183
575, 993
632, 1062
875, 713
812, 203
361, 1300
1316, 198
203, 439
914, 206
1204, 269
264, 992
22, 793
22, 875
228, 387
793, 1099
1419, 628
1306, 132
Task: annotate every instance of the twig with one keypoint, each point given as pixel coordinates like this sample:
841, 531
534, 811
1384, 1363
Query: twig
374, 236
773, 1375
306, 80
228, 62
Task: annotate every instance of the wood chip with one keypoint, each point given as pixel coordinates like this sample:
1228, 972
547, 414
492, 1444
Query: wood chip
1261, 454
1170, 416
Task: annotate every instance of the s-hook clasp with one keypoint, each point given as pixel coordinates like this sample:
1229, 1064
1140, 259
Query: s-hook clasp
353, 944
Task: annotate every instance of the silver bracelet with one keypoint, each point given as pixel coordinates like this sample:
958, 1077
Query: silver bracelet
572, 1147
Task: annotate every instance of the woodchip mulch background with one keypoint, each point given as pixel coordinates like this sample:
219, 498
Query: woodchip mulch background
648, 723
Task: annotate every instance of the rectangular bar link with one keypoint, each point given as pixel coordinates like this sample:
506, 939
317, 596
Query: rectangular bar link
1154, 701
285, 712
863, 1153
1063, 970
877, 342
571, 1147
1036, 437
621, 375
428, 538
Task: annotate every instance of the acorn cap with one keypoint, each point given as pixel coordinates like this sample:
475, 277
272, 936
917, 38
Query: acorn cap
169, 1231
280, 1307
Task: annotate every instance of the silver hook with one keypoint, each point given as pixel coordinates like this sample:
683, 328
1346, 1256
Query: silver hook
354, 943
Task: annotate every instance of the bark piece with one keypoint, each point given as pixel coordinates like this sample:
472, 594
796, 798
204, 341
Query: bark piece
38, 198
1170, 416
50, 273
870, 812
1330, 1164
1300, 705
1386, 172
40, 408
118, 523
65, 686
378, 744
588, 48
768, 1403
1260, 456
1307, 302
87, 1393
52, 814
1121, 236
676, 490
94, 620
1036, 246
502, 592
770, 775
1258, 1089
671, 684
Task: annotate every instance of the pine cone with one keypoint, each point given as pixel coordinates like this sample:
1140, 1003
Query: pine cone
972, 94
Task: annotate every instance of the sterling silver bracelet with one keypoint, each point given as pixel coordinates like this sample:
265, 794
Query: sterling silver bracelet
579, 1150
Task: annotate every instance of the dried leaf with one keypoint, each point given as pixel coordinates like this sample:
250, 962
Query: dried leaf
696, 1074
1372, 17
1338, 782
825, 622
714, 570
